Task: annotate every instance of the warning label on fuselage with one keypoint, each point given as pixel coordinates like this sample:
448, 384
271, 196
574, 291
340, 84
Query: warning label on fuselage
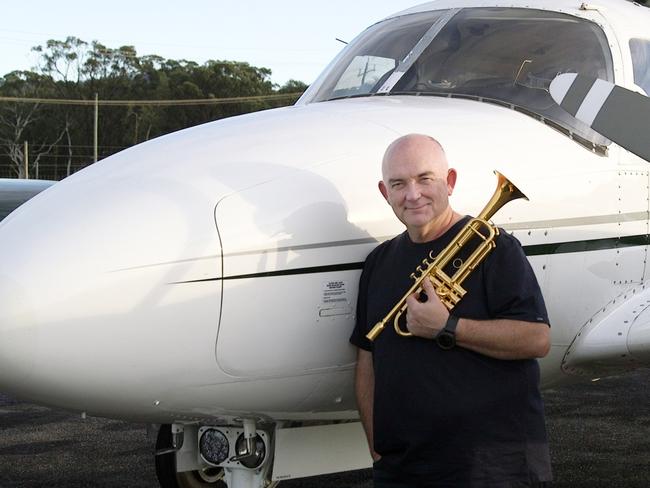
335, 293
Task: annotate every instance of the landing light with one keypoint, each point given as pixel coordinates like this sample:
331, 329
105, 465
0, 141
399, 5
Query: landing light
214, 446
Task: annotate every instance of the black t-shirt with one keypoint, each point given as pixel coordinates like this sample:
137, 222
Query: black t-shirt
454, 417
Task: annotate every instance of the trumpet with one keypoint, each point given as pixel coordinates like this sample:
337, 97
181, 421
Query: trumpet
448, 288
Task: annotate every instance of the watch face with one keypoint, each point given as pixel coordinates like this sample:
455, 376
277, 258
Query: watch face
446, 340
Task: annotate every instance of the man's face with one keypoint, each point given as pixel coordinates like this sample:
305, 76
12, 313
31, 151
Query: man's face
416, 183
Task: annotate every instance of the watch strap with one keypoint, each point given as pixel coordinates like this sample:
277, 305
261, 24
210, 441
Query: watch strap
451, 324
446, 338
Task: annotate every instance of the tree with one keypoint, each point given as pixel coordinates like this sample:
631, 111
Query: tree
293, 86
77, 70
18, 121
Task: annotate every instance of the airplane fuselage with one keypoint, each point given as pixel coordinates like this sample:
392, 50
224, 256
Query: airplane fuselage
210, 275
185, 295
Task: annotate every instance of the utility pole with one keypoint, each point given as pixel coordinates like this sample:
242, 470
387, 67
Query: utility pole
26, 159
96, 124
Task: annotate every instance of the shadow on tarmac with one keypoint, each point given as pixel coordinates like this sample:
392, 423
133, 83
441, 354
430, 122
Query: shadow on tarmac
599, 434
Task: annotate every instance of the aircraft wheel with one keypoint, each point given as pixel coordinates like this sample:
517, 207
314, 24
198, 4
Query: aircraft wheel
166, 468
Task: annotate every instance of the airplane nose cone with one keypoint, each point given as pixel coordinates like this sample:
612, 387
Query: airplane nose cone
18, 335
98, 288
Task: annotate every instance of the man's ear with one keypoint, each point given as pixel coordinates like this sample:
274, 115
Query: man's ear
382, 189
451, 180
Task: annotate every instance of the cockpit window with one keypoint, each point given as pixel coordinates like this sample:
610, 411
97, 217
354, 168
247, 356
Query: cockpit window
505, 54
640, 49
362, 74
374, 55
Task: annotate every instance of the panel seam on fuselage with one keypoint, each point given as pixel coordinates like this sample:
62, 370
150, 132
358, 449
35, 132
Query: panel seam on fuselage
531, 226
530, 250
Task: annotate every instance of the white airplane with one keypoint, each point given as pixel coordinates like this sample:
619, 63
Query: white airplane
206, 280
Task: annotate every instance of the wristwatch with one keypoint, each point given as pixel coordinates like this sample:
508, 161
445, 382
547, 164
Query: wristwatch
446, 338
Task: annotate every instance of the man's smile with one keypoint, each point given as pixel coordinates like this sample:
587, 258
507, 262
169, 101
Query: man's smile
419, 207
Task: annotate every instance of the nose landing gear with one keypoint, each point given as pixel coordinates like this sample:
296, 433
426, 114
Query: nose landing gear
208, 477
232, 457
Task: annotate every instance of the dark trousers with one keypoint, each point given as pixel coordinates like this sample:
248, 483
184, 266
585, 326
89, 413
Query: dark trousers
381, 479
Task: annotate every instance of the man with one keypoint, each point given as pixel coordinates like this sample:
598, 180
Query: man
469, 413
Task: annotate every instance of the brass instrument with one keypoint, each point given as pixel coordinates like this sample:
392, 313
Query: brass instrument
449, 289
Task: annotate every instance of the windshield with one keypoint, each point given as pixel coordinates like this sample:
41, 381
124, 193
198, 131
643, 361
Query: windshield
505, 54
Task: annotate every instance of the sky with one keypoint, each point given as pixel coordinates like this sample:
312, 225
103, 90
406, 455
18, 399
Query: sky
295, 39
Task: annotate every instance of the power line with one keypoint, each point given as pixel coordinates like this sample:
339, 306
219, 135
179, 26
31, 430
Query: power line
77, 146
129, 103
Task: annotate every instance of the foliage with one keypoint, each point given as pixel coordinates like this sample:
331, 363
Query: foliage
20, 122
61, 136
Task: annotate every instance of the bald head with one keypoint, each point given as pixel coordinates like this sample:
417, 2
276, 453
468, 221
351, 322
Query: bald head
417, 183
413, 147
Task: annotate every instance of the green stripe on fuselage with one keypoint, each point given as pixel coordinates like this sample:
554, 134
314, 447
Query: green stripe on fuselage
584, 246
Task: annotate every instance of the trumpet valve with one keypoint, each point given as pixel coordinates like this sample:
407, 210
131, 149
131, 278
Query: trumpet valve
413, 277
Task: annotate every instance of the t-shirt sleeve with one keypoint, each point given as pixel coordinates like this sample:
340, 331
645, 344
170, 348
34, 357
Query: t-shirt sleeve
511, 285
358, 337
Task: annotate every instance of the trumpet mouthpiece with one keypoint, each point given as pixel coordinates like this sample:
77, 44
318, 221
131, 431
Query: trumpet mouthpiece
375, 331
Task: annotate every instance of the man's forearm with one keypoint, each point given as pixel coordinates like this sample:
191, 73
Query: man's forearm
499, 338
365, 389
504, 339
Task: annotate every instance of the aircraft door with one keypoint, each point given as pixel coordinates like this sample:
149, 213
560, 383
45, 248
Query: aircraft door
292, 260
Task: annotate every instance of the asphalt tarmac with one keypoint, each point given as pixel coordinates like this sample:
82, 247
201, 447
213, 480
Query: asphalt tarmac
599, 434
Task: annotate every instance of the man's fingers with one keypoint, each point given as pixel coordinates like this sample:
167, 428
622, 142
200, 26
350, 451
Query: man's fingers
411, 300
428, 286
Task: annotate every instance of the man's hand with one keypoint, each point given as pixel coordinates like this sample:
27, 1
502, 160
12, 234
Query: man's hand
497, 338
425, 319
